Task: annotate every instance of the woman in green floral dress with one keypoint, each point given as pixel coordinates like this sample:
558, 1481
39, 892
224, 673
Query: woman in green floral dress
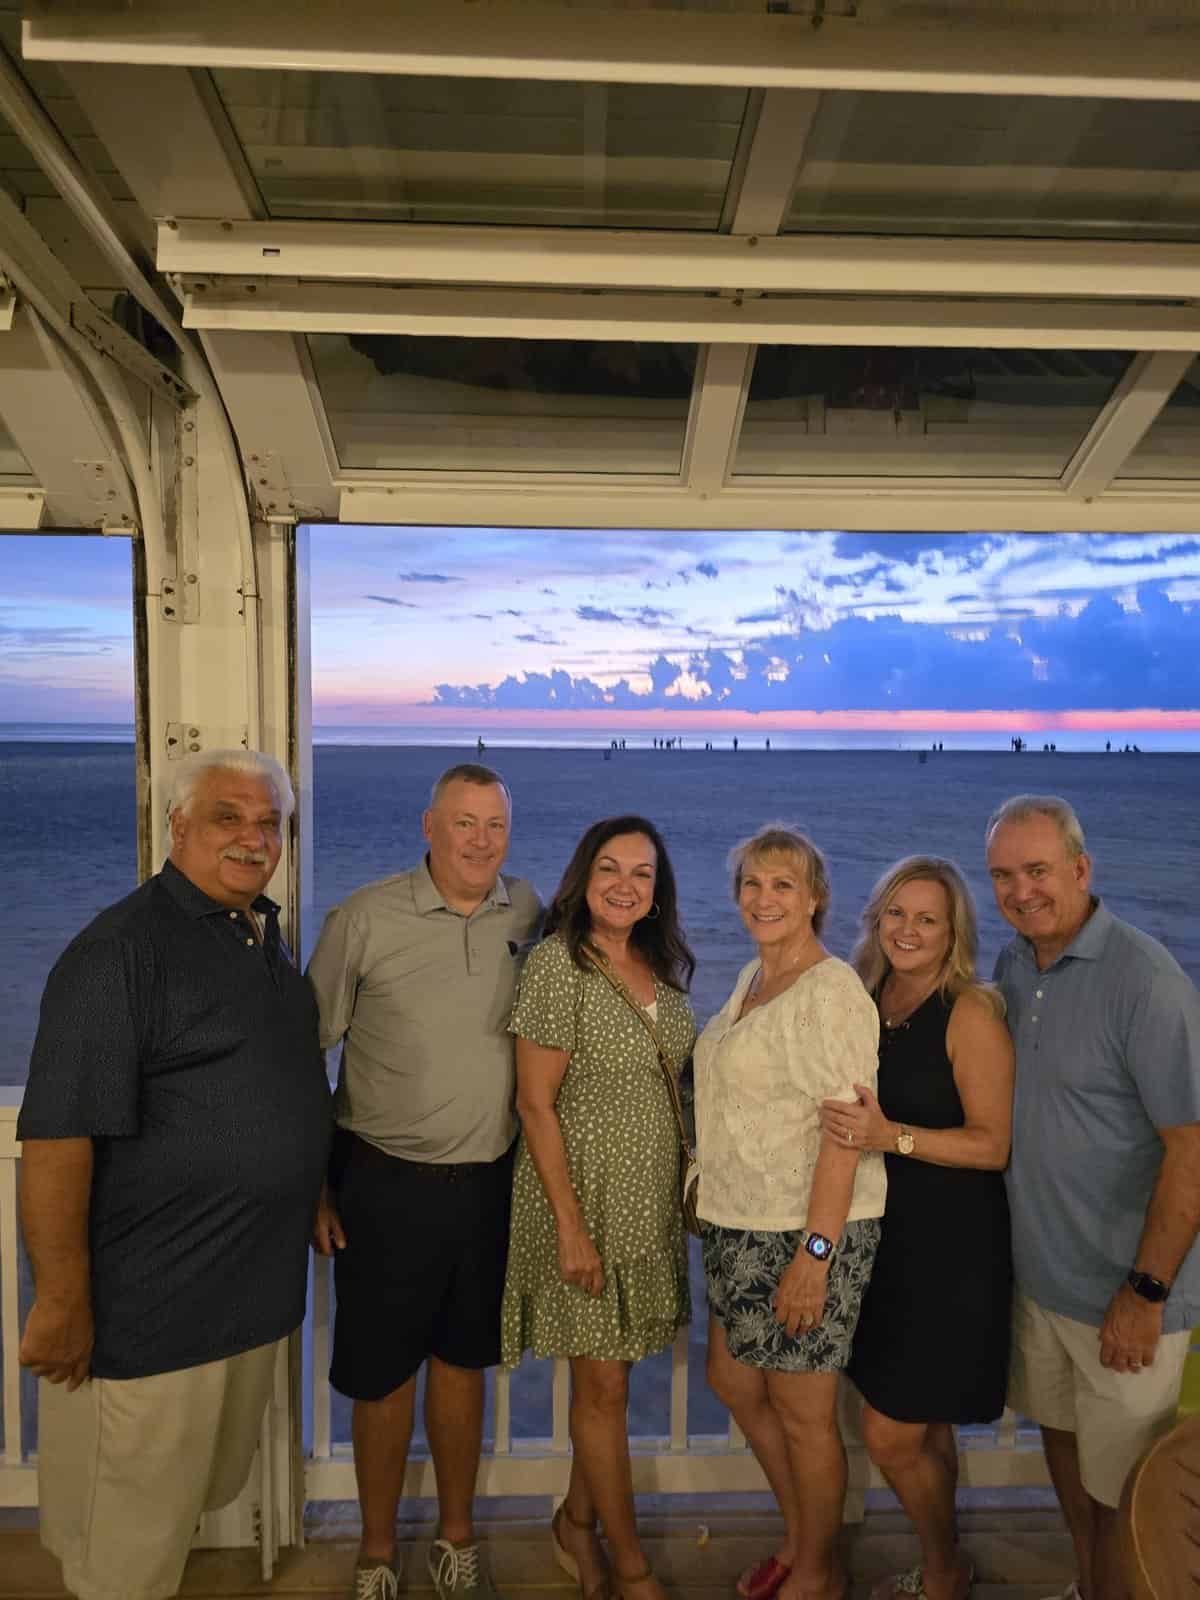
597, 1266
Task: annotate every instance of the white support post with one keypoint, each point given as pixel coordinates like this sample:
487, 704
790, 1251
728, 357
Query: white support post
721, 388
785, 118
271, 310
519, 39
593, 258
1143, 391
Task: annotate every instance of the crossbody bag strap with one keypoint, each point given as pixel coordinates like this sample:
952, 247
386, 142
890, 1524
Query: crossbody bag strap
648, 1023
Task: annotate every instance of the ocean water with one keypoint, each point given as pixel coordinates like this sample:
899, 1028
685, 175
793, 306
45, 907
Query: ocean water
67, 850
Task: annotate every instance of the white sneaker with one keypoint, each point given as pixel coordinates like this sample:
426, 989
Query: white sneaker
375, 1581
458, 1569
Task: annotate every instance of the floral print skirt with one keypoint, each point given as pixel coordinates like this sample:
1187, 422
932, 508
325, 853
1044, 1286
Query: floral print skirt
743, 1269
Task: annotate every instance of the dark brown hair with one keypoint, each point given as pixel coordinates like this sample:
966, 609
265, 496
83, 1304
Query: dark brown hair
659, 938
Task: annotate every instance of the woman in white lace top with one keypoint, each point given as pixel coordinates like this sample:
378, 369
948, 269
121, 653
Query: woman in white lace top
791, 1223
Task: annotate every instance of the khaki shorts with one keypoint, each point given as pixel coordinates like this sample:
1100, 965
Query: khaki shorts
127, 1467
1057, 1380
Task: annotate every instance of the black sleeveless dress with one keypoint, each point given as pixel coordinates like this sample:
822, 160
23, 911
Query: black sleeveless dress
932, 1339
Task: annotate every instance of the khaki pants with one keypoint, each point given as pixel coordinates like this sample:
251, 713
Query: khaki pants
127, 1467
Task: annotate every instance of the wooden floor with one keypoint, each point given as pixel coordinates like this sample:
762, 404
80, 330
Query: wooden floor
1019, 1553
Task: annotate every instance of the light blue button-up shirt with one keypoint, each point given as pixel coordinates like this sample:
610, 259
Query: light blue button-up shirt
1108, 1051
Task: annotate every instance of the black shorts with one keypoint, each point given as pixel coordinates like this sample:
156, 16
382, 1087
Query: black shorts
422, 1272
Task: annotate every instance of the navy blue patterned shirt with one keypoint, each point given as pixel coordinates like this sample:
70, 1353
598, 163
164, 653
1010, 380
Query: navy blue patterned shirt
186, 1049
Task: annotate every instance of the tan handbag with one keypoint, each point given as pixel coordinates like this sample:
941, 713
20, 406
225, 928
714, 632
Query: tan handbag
689, 1171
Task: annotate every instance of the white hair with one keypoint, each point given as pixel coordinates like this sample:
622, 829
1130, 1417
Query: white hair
1027, 807
191, 770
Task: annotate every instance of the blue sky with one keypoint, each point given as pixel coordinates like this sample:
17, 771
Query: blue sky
497, 625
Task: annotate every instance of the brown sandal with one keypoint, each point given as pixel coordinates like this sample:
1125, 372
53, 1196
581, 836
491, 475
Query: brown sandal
620, 1583
568, 1563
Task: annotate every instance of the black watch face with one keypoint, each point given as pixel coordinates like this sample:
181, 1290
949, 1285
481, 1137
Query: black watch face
1149, 1288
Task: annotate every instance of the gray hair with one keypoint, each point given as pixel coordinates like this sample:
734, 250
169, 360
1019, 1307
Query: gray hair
468, 772
1025, 807
189, 772
781, 839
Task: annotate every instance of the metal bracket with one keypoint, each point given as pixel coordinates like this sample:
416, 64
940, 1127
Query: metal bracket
183, 739
189, 738
181, 598
111, 340
269, 487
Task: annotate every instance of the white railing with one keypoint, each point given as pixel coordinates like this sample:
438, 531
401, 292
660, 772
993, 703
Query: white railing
18, 1477
674, 1463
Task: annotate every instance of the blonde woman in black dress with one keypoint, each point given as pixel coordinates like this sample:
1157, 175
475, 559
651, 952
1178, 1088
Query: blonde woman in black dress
931, 1347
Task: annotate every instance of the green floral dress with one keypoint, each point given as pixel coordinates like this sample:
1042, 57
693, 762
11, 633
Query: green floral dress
623, 1155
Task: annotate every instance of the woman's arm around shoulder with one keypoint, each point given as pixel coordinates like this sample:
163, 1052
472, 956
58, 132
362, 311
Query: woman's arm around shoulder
981, 1057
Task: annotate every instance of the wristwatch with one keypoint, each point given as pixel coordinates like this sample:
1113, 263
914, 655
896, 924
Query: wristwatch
905, 1142
1149, 1288
817, 1245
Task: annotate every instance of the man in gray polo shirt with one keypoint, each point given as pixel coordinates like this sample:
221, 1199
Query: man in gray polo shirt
417, 975
1104, 1184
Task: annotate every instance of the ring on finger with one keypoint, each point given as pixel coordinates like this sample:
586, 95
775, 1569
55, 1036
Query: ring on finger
849, 1135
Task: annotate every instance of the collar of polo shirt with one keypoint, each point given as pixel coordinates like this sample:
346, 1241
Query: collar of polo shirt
428, 897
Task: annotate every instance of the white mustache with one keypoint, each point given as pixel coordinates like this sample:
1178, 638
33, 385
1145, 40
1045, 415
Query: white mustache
248, 858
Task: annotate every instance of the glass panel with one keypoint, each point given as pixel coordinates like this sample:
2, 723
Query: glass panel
336, 144
1000, 164
21, 172
535, 405
956, 413
1171, 447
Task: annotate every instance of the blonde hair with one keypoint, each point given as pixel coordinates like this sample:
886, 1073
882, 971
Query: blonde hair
781, 839
958, 970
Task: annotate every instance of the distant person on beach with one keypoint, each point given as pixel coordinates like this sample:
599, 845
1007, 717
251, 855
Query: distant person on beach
417, 974
791, 1221
597, 1269
175, 1131
931, 1349
1105, 1176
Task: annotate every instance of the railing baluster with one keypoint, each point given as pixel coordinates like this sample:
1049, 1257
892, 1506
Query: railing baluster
737, 1439
322, 1399
679, 1391
561, 1425
502, 1419
10, 1318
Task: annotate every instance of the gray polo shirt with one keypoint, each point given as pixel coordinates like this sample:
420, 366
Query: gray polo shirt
1108, 1051
422, 995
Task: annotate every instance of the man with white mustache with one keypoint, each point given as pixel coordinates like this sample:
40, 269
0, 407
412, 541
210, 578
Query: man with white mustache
175, 1131
1104, 1183
417, 975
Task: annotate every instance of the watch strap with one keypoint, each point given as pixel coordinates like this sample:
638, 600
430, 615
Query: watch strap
1147, 1286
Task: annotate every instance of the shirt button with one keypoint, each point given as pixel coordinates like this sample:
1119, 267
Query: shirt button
1038, 994
1034, 1017
233, 916
251, 941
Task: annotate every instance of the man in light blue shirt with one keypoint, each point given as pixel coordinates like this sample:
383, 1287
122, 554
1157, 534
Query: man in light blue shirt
1104, 1184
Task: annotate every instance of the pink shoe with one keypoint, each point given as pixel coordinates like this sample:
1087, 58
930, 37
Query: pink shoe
764, 1581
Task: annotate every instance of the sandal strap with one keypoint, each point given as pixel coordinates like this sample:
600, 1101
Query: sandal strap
587, 1527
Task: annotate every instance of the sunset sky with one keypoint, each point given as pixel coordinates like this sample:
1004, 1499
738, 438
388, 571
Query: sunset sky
628, 629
